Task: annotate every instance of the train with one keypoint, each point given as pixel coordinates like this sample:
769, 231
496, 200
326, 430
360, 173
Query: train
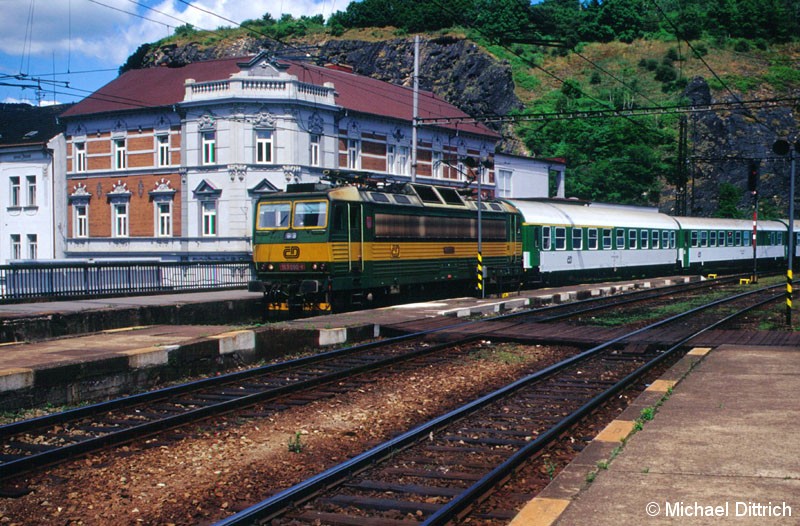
353, 239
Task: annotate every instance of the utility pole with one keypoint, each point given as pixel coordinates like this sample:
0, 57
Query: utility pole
415, 111
783, 147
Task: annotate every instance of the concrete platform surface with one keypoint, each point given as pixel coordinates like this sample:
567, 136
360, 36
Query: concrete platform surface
724, 448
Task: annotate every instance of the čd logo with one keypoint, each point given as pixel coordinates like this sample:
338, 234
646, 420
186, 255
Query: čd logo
292, 252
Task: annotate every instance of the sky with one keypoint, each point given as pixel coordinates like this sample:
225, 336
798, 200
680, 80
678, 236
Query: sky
59, 51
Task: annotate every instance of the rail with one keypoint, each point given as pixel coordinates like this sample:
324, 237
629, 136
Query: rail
35, 280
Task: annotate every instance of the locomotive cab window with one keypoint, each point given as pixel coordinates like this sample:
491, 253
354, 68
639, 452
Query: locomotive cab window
274, 215
312, 214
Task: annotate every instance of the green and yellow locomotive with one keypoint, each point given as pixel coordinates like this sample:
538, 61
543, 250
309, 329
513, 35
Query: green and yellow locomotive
322, 246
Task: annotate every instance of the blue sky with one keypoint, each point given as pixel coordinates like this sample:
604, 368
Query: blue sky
69, 48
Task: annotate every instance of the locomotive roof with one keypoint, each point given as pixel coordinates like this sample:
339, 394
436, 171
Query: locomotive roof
567, 214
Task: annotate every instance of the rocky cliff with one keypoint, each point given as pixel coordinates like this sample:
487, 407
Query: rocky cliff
455, 69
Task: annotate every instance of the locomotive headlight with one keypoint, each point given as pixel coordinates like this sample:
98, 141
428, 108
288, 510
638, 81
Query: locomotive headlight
290, 235
314, 267
270, 267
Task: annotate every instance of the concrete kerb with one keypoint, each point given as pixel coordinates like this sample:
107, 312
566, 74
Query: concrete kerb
546, 508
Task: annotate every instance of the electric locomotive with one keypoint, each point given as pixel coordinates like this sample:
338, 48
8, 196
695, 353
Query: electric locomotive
360, 240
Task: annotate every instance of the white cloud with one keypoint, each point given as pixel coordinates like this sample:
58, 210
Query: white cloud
63, 29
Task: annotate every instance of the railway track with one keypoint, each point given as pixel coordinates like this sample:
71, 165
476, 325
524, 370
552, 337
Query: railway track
438, 471
54, 438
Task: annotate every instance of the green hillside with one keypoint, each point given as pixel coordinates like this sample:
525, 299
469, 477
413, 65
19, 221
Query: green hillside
603, 84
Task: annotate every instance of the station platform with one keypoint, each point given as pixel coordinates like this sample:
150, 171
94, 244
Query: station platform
68, 352
721, 449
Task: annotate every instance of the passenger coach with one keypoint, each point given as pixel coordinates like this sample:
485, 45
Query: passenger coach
572, 241
727, 244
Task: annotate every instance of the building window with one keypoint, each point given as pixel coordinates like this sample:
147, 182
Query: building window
120, 219
209, 140
313, 150
263, 146
209, 218
401, 160
80, 223
120, 157
504, 183
164, 219
30, 189
353, 154
15, 194
162, 143
390, 155
436, 164
16, 246
80, 156
33, 246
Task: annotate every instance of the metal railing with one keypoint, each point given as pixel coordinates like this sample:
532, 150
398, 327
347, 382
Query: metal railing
34, 280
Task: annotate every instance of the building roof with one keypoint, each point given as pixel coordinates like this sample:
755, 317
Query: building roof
164, 86
23, 124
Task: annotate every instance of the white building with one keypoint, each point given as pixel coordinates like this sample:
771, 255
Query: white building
167, 162
520, 177
32, 183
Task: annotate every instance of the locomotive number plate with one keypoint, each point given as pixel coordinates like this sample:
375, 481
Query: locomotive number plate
292, 267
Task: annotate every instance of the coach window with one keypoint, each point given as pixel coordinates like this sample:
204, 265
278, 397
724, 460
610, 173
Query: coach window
632, 236
672, 236
644, 238
561, 238
665, 238
704, 238
591, 238
577, 239
712, 238
721, 238
737, 238
545, 238
620, 238
606, 238
695, 238
654, 238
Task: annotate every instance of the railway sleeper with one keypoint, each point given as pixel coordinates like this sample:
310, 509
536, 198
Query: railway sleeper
416, 489
336, 519
362, 503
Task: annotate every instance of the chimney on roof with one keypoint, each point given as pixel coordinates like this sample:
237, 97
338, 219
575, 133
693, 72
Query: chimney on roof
339, 67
